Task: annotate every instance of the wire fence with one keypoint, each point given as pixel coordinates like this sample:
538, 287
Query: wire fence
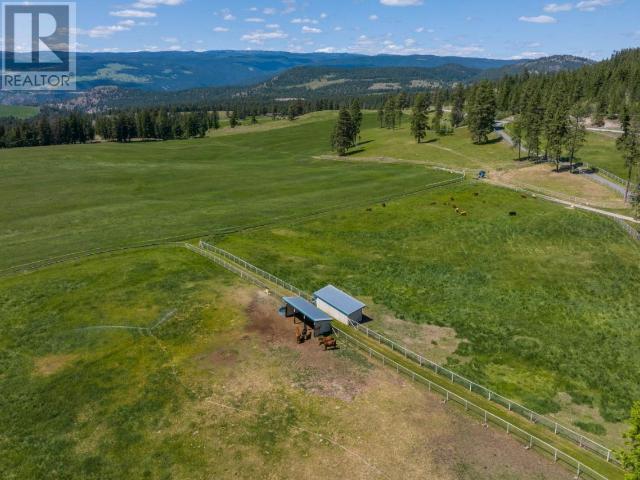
492, 396
532, 442
252, 268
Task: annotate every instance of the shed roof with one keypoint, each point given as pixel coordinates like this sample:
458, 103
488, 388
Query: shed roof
308, 309
339, 300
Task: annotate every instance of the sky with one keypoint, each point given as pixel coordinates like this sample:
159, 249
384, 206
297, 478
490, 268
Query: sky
509, 29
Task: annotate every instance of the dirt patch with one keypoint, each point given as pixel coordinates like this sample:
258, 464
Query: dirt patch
220, 358
323, 373
564, 184
434, 342
51, 364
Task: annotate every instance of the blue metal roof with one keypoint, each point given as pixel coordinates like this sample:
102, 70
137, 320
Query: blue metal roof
339, 300
308, 309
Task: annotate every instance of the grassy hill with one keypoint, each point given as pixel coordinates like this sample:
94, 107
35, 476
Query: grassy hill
147, 361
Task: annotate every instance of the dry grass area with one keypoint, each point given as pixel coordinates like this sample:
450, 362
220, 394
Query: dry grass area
545, 177
50, 364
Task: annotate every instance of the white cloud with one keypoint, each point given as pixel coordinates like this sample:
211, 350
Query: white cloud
337, 29
326, 50
529, 55
272, 26
558, 7
538, 19
304, 20
592, 5
228, 17
130, 13
157, 3
323, 15
373, 18
306, 29
419, 29
106, 31
220, 29
401, 3
254, 20
269, 11
259, 37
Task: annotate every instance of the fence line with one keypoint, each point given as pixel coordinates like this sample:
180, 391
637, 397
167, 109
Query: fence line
492, 396
531, 440
511, 405
629, 229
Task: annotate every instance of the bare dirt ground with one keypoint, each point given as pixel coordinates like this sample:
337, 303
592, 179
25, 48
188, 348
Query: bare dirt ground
353, 418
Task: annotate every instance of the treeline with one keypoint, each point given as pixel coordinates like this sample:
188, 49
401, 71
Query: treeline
56, 127
603, 89
46, 130
158, 124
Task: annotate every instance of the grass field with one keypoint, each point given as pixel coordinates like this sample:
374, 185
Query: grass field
59, 200
156, 364
533, 299
452, 150
600, 150
18, 111
204, 382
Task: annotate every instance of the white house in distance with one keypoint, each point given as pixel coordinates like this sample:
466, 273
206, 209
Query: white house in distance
339, 305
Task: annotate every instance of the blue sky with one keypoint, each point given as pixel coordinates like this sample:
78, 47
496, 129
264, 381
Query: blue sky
496, 29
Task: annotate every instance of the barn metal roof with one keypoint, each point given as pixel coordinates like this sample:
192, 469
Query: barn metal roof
308, 309
339, 300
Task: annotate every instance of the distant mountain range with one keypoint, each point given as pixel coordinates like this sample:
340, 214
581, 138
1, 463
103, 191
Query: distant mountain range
177, 77
173, 71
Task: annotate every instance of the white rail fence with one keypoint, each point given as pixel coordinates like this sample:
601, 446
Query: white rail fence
532, 442
629, 229
492, 396
252, 273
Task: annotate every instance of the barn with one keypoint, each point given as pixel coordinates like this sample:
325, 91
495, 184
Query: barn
339, 305
307, 312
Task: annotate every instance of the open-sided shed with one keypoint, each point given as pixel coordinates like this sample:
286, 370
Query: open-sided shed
339, 305
308, 313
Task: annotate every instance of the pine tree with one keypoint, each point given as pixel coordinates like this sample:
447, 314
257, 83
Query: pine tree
556, 123
629, 145
533, 121
419, 119
516, 135
457, 114
577, 134
381, 116
390, 114
356, 118
342, 136
481, 115
233, 120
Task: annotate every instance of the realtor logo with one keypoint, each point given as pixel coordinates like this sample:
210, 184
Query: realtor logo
39, 46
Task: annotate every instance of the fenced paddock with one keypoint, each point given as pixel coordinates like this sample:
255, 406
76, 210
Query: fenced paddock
512, 406
531, 441
266, 280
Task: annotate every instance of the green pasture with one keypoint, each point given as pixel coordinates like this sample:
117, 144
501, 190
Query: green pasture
544, 302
